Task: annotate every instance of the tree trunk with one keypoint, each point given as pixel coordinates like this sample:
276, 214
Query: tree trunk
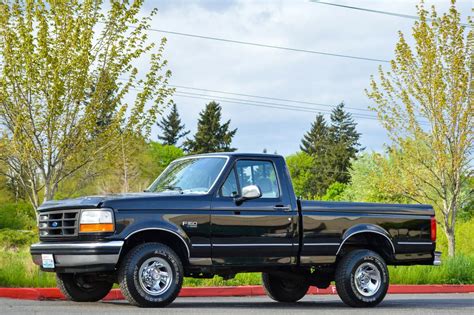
451, 242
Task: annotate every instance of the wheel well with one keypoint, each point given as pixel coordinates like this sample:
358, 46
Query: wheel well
173, 241
367, 240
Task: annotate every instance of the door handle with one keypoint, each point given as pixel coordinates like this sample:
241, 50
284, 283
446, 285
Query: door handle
281, 208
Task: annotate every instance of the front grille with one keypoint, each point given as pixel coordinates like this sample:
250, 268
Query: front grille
62, 223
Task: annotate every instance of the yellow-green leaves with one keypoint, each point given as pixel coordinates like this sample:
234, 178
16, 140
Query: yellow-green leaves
425, 102
67, 70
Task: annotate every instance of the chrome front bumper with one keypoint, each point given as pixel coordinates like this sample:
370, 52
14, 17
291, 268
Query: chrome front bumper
78, 254
437, 258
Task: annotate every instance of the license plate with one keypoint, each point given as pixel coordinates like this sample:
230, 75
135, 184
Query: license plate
47, 261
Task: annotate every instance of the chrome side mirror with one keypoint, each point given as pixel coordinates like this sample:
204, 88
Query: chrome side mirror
248, 193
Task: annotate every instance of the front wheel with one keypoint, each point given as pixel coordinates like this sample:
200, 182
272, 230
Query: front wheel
151, 275
284, 289
362, 278
82, 288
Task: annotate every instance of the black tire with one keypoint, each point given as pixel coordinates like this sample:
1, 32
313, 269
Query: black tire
134, 286
79, 288
283, 289
363, 291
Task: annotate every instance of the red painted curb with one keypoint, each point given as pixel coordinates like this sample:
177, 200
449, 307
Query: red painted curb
115, 294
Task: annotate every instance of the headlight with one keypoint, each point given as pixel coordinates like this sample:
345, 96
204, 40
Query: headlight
93, 221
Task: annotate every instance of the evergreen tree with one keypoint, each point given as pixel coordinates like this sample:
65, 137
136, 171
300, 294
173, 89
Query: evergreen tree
172, 128
315, 141
211, 136
344, 143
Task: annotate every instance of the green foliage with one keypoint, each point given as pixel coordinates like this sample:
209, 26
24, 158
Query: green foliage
163, 155
211, 135
12, 238
18, 270
368, 181
172, 128
344, 143
300, 166
453, 270
332, 148
425, 102
335, 192
17, 216
70, 59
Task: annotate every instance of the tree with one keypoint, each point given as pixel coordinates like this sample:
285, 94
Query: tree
172, 128
315, 141
63, 103
211, 135
343, 143
425, 103
300, 166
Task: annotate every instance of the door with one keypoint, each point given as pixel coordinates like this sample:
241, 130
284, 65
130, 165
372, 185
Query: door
255, 232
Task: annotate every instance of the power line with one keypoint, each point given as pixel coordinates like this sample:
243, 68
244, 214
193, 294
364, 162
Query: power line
262, 97
407, 16
266, 97
227, 40
265, 104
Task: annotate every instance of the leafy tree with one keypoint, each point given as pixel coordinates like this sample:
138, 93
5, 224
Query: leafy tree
334, 192
57, 66
211, 135
172, 128
300, 166
425, 103
162, 155
344, 143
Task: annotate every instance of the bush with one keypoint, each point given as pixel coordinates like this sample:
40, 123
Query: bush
17, 216
14, 238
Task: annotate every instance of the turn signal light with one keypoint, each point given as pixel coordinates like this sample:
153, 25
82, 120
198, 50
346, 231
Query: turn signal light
98, 227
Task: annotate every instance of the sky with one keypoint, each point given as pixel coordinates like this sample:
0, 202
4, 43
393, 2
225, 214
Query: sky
301, 24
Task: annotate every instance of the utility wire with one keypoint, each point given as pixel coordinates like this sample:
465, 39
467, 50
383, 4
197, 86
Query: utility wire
266, 97
227, 40
407, 16
262, 97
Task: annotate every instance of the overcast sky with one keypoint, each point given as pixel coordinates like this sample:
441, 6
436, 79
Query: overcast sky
275, 73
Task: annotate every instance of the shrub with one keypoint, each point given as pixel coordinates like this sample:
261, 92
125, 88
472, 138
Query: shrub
17, 216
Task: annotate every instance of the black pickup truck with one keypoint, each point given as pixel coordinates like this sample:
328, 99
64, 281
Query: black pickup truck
221, 214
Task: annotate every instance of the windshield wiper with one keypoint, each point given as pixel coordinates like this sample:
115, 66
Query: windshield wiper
174, 188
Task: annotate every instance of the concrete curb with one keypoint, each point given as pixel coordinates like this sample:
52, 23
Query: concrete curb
115, 294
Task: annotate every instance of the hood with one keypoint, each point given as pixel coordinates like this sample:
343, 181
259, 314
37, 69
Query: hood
95, 201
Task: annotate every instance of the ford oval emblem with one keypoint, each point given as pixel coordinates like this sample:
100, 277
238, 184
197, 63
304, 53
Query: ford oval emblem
54, 224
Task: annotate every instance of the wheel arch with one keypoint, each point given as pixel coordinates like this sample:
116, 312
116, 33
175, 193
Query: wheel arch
369, 235
160, 235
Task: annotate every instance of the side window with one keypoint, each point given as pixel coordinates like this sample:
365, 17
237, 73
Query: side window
230, 187
260, 173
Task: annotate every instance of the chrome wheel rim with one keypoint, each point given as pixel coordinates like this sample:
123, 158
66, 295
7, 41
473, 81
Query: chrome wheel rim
155, 276
367, 279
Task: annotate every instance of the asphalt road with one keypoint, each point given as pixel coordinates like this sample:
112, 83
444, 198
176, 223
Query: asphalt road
312, 304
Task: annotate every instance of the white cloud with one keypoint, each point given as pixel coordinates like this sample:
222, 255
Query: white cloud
261, 71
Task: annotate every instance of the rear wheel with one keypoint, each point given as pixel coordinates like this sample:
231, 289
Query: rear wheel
151, 275
362, 278
284, 289
82, 288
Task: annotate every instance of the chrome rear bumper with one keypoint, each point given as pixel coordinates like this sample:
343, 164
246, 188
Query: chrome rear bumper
437, 258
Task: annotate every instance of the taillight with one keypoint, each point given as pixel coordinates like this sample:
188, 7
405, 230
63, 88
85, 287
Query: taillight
433, 229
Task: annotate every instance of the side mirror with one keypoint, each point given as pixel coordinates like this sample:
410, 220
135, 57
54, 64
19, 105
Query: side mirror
249, 192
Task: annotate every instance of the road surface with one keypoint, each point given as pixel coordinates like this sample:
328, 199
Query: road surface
311, 304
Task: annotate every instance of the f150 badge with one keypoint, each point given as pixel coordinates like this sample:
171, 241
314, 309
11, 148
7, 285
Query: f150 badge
190, 224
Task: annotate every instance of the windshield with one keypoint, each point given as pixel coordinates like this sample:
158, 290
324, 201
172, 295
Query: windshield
193, 175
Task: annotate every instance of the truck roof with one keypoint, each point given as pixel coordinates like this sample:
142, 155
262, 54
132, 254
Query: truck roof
241, 154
